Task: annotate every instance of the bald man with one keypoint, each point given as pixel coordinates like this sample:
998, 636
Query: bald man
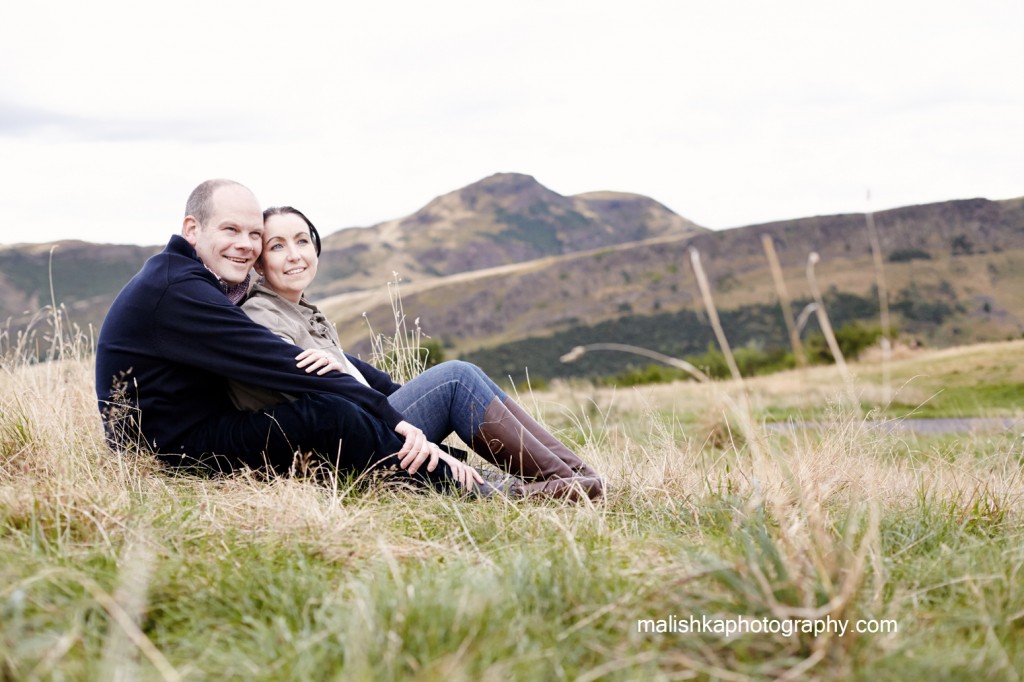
175, 335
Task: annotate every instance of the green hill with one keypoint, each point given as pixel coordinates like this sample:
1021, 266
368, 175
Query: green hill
510, 273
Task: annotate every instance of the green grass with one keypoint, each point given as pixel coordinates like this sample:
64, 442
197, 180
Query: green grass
535, 593
965, 401
111, 568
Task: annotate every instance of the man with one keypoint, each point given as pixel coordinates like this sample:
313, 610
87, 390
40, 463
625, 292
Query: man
175, 335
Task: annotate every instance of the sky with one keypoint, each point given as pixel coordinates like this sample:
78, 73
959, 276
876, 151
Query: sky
729, 112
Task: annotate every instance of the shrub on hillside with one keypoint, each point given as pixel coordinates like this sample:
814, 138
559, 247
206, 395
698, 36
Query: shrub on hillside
853, 339
906, 255
926, 304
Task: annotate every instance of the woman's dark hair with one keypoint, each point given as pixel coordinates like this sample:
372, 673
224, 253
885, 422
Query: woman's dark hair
281, 210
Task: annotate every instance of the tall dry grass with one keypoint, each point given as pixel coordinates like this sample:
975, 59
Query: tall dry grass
114, 568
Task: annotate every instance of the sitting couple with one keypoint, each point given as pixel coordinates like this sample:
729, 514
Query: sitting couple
185, 371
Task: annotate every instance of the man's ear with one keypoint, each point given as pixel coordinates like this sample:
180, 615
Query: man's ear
189, 227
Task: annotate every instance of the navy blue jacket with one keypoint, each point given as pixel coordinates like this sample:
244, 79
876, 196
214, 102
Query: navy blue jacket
171, 340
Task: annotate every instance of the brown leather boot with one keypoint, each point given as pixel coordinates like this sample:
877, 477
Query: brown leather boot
575, 489
507, 443
545, 437
510, 446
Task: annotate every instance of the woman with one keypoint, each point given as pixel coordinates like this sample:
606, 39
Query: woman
451, 397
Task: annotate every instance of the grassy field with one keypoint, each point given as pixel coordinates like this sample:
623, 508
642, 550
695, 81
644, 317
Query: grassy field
112, 569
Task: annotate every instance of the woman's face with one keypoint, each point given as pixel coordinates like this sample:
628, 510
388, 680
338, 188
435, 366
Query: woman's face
289, 257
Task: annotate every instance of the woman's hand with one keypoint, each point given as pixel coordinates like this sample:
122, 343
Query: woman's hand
417, 448
466, 475
315, 358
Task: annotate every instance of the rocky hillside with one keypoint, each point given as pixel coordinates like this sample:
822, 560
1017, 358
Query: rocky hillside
489, 267
506, 218
503, 219
967, 253
85, 278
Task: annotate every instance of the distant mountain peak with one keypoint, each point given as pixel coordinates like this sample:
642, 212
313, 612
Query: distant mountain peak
501, 219
505, 180
521, 188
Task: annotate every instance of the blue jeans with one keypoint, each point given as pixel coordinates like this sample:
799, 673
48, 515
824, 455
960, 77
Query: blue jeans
449, 397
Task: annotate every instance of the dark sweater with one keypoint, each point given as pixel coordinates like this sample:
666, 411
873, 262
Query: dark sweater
172, 339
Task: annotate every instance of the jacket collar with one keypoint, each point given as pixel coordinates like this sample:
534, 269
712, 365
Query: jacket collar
261, 288
236, 293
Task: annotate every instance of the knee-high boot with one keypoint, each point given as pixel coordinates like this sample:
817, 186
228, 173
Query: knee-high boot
548, 440
574, 489
508, 444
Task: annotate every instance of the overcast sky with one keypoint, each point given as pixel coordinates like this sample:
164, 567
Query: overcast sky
730, 112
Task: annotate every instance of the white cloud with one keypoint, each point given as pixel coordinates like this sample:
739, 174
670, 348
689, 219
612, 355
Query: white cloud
730, 113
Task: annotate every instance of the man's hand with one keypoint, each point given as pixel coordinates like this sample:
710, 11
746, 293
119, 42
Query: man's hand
417, 448
315, 358
461, 472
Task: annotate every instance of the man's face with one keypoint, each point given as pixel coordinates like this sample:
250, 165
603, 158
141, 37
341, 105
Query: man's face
231, 240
